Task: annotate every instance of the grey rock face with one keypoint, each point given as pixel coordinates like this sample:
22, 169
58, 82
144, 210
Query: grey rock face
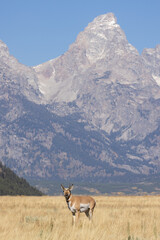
19, 76
100, 105
106, 78
151, 58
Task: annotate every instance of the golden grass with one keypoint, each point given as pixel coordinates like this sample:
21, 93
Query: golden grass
48, 218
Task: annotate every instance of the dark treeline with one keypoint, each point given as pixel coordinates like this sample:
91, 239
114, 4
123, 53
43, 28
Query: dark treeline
11, 184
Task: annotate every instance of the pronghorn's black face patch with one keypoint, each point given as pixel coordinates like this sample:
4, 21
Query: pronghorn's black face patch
67, 191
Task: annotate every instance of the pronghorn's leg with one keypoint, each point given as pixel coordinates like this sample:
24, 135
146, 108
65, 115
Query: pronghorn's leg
91, 211
78, 213
87, 213
73, 218
90, 214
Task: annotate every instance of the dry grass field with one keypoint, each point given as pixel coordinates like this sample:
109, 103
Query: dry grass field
46, 218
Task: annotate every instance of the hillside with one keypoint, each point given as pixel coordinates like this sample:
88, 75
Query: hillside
11, 184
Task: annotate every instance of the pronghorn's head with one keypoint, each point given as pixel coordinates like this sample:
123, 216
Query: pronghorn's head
67, 191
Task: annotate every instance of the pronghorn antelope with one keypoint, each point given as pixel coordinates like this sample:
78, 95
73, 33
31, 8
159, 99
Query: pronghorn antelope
78, 204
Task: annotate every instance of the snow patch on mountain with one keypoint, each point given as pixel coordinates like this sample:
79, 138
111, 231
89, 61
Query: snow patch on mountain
156, 78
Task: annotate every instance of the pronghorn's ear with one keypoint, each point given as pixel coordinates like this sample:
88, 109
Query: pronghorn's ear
71, 187
62, 187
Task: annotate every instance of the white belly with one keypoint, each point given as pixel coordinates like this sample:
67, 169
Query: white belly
84, 207
72, 208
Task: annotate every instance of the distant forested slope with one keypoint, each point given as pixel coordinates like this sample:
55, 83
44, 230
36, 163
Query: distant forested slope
11, 184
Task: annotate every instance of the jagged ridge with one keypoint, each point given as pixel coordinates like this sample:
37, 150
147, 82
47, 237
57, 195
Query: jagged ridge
91, 113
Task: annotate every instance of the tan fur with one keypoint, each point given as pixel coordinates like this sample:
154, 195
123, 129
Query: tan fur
78, 204
82, 199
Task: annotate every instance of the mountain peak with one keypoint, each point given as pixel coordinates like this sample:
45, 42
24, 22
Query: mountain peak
102, 41
108, 19
103, 22
103, 37
3, 49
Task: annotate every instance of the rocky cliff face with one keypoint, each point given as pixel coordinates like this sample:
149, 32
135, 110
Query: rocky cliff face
93, 112
19, 77
96, 51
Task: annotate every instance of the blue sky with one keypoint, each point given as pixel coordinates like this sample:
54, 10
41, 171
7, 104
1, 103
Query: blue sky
37, 31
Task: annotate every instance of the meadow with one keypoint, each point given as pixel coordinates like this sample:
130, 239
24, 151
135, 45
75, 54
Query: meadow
48, 218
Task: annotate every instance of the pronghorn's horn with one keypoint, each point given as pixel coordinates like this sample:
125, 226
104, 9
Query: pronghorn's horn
71, 187
62, 187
